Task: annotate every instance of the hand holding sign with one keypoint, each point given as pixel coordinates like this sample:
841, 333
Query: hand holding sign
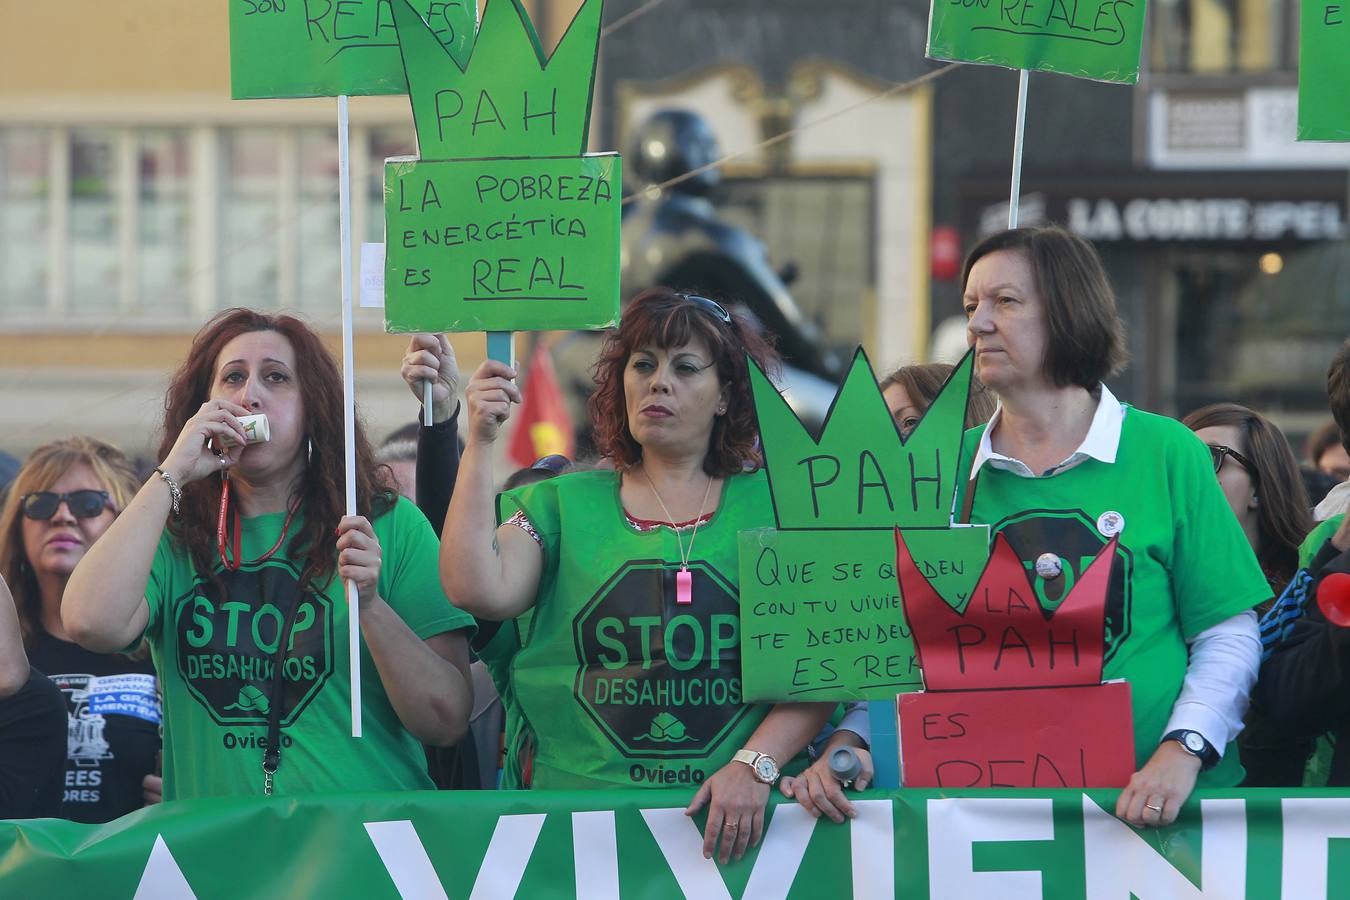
430, 361
490, 393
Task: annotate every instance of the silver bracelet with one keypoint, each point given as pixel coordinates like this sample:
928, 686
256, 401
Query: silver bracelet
175, 492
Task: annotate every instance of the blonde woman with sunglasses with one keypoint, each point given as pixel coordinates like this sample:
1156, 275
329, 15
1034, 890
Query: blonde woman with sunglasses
62, 501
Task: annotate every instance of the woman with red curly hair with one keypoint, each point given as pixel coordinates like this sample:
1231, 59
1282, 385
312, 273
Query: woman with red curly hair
230, 561
630, 671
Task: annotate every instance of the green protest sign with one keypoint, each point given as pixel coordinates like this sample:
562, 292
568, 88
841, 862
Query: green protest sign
821, 612
859, 473
502, 244
1097, 39
501, 225
1261, 844
507, 98
1324, 71
323, 48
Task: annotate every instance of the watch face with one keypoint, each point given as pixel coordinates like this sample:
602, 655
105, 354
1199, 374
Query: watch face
1194, 742
766, 770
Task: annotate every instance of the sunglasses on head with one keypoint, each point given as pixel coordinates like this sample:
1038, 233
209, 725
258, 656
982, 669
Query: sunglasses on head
709, 306
554, 464
84, 504
1218, 451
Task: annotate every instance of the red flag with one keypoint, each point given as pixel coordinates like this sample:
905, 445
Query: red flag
542, 423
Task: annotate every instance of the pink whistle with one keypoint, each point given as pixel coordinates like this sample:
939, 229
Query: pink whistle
684, 587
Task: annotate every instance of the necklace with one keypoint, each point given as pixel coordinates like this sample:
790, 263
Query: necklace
684, 582
224, 548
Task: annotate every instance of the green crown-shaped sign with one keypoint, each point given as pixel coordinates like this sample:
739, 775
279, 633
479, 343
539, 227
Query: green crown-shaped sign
860, 473
509, 99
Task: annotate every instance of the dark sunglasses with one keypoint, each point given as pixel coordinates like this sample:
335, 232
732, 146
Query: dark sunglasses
1218, 451
709, 306
83, 504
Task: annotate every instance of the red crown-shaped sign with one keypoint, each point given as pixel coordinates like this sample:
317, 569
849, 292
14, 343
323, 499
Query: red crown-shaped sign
1004, 638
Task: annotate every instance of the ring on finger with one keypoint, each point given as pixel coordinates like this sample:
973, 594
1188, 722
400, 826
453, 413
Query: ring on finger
731, 826
1156, 809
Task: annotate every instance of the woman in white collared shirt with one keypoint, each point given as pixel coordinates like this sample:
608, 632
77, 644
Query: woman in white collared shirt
1062, 466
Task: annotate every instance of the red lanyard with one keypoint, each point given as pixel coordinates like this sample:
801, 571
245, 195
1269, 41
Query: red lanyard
232, 548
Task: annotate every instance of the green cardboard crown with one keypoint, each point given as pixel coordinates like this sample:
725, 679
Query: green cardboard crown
508, 99
859, 473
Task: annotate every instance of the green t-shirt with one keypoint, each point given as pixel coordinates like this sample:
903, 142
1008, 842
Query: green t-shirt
619, 686
1316, 538
1183, 563
214, 642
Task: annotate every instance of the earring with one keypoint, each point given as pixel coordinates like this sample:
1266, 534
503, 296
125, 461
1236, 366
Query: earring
309, 451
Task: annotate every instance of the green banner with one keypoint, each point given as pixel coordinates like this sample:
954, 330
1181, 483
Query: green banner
909, 843
1097, 39
821, 614
323, 48
502, 244
1324, 71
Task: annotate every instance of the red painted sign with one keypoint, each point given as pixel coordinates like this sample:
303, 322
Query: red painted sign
1077, 737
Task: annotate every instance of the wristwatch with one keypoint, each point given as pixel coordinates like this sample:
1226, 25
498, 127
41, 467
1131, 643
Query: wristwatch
1194, 743
763, 765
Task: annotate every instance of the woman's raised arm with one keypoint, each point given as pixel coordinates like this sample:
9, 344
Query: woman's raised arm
103, 608
488, 571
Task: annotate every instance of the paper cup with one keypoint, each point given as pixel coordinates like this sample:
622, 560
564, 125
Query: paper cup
255, 428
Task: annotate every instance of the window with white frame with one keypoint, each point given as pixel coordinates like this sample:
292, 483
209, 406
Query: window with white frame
166, 225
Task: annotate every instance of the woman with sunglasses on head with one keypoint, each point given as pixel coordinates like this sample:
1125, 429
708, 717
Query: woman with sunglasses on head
1261, 482
63, 499
631, 673
1062, 467
232, 561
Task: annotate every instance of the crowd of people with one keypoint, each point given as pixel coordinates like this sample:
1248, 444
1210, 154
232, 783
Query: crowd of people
180, 633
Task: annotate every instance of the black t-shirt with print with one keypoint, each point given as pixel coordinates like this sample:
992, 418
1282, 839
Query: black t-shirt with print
112, 703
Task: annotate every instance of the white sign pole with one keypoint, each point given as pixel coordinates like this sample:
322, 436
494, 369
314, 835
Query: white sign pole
349, 397
1019, 134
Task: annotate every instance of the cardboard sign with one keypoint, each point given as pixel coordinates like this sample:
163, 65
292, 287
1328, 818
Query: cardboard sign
1024, 737
1003, 637
501, 226
507, 98
859, 473
821, 615
1324, 71
1097, 39
502, 244
323, 48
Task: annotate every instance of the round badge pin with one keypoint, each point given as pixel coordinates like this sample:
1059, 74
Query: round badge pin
1049, 566
1110, 523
